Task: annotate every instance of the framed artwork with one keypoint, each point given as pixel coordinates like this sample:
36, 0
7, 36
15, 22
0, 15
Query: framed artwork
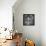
28, 19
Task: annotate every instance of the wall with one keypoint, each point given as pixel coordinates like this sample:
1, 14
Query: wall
28, 7
43, 22
6, 18
6, 13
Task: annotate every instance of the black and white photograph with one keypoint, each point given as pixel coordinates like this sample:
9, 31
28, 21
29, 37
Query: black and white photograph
28, 19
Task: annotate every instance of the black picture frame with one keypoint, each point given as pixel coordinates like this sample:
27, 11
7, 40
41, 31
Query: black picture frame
28, 19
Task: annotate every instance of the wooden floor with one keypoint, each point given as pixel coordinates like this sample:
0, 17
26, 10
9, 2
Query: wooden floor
9, 43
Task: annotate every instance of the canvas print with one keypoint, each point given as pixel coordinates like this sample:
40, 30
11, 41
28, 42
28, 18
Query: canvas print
28, 19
